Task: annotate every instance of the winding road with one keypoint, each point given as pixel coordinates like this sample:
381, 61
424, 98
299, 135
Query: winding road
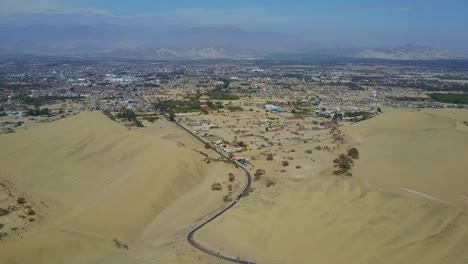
190, 238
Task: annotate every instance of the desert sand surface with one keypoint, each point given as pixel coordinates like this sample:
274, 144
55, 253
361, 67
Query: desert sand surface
90, 180
404, 203
420, 151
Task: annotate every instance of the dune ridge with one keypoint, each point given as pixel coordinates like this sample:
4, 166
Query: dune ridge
91, 180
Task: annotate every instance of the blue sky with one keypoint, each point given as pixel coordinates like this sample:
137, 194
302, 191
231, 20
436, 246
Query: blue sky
438, 23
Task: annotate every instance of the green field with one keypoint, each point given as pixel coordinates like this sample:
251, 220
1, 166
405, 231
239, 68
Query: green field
450, 98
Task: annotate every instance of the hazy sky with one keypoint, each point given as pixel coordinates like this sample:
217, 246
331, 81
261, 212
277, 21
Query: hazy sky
437, 23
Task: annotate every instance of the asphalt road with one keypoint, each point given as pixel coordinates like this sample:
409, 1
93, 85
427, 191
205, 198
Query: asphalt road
190, 238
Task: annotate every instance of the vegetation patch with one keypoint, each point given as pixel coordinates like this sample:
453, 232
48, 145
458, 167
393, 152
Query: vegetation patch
216, 186
270, 182
344, 162
450, 98
231, 177
120, 244
258, 174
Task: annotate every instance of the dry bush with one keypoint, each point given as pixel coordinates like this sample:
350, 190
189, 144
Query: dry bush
269, 157
216, 186
258, 174
285, 163
344, 164
231, 177
4, 212
270, 182
318, 148
227, 199
21, 200
120, 244
353, 153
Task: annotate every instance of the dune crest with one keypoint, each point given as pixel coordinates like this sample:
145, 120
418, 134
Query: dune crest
91, 180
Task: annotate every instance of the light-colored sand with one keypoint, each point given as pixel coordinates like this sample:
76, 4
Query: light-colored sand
331, 220
91, 180
425, 151
367, 218
147, 187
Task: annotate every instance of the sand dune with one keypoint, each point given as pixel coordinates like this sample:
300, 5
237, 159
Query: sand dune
329, 220
422, 151
91, 180
402, 204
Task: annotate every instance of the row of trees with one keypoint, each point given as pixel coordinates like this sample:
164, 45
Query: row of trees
129, 115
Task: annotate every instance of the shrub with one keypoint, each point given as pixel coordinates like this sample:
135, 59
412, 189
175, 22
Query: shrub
21, 200
318, 148
231, 177
216, 186
4, 212
227, 199
270, 182
120, 244
31, 212
269, 157
309, 151
353, 153
298, 167
285, 163
258, 174
207, 145
344, 164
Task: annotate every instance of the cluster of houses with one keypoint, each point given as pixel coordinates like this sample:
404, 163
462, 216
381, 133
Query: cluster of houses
273, 108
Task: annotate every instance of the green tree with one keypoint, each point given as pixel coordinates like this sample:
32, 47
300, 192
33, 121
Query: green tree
171, 115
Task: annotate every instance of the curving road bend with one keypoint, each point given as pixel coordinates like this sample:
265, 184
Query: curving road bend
190, 238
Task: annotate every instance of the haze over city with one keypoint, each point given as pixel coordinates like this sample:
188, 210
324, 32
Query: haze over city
273, 132
336, 23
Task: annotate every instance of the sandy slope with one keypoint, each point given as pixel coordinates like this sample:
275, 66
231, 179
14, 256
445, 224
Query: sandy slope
327, 219
423, 151
91, 180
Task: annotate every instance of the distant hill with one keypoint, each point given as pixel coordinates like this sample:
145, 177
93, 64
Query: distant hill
105, 40
407, 52
184, 54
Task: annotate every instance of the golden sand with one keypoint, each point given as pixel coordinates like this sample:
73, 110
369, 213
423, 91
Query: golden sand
91, 180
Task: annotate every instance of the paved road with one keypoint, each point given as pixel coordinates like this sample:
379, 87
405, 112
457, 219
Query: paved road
190, 238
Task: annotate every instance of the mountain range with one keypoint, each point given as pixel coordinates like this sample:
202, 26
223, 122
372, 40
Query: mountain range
133, 42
